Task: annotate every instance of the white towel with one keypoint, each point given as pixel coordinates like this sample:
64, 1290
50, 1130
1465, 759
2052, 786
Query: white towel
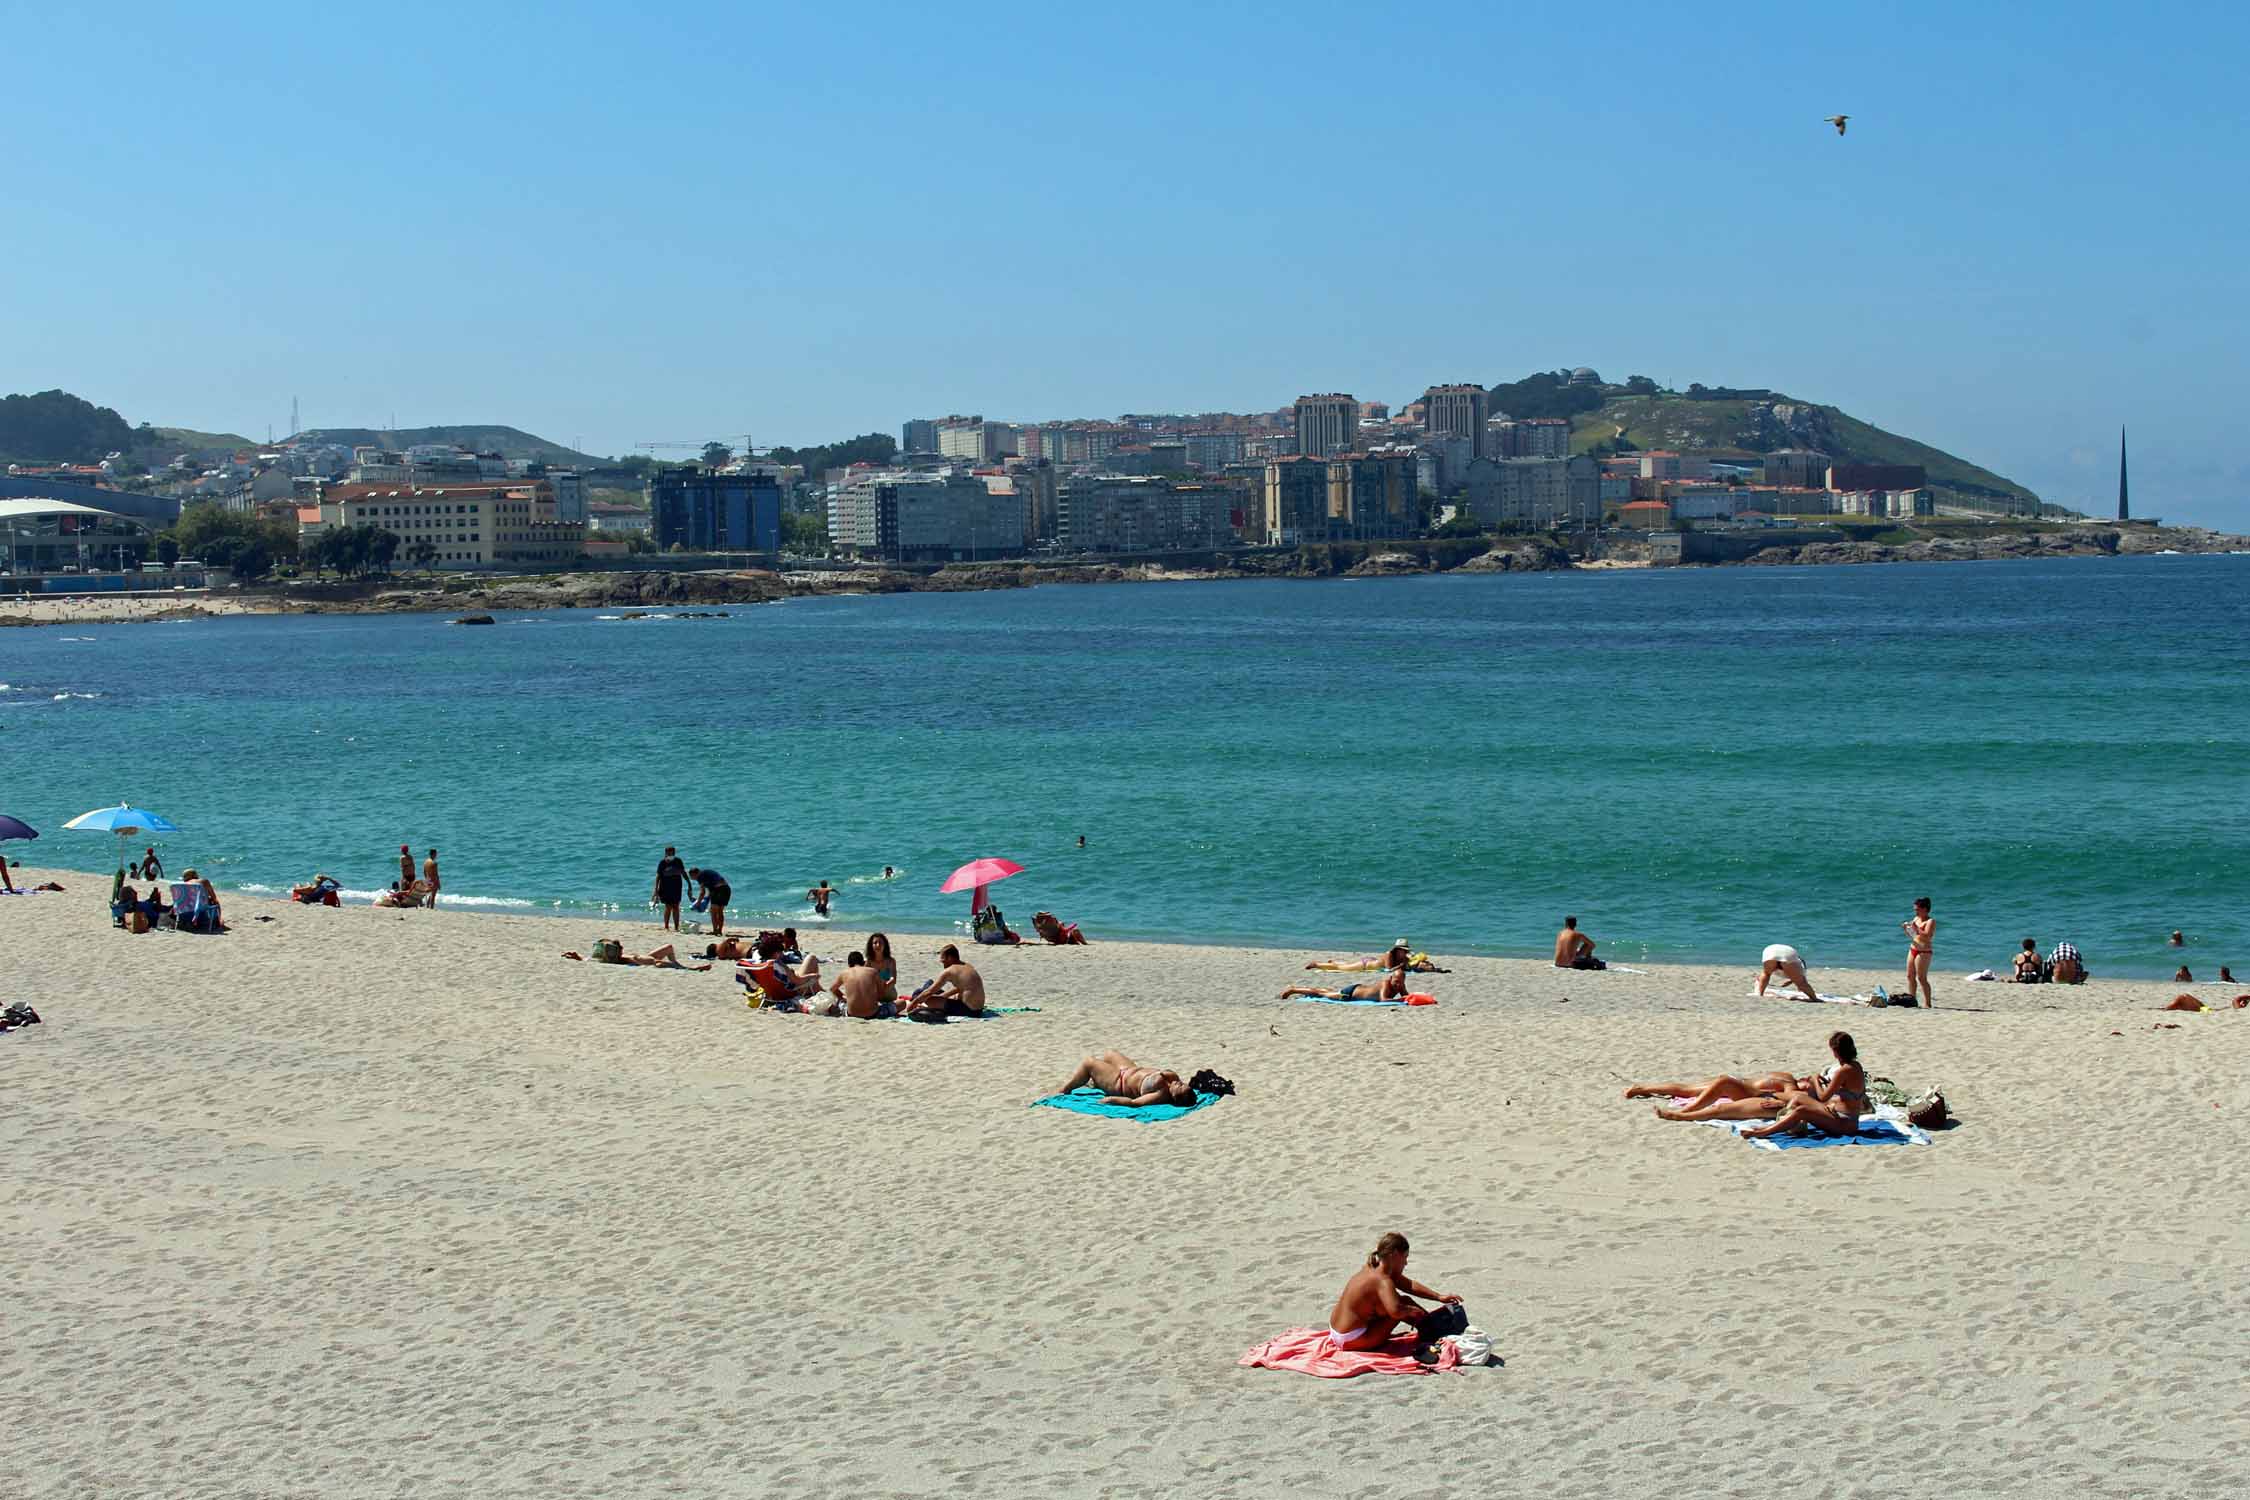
1777, 993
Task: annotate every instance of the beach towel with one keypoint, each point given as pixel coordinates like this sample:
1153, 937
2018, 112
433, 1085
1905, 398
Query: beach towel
1411, 999
1774, 992
1089, 1102
1307, 1351
1625, 969
1874, 1130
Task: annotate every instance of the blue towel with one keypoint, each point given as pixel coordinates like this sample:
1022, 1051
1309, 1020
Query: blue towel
1873, 1131
1089, 1102
1324, 1000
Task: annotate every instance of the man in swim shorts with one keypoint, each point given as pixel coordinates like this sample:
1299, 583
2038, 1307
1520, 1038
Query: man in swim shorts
820, 895
671, 880
715, 891
1391, 986
858, 992
957, 991
1573, 949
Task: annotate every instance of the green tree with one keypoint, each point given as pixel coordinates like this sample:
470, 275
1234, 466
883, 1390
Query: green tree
801, 532
421, 553
57, 427
1640, 385
167, 548
717, 455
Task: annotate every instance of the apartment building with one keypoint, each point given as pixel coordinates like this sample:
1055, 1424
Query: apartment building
1534, 491
1127, 513
936, 515
707, 510
461, 525
1456, 411
1296, 500
1326, 424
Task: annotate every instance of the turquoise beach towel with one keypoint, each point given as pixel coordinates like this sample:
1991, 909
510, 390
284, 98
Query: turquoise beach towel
1089, 1102
1874, 1130
1386, 1004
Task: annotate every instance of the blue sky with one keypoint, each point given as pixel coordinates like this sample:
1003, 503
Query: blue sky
616, 224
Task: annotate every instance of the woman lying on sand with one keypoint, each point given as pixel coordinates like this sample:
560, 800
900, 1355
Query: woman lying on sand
1829, 1104
1715, 1090
1397, 958
1124, 1081
1391, 986
611, 951
1374, 1302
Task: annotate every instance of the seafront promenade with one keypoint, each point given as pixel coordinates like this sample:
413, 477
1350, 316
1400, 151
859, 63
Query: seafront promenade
356, 1202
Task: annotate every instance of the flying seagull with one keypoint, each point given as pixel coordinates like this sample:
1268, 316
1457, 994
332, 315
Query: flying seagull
1837, 121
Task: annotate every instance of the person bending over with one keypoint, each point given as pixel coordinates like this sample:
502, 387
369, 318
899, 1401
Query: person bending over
1573, 949
957, 991
1780, 958
1376, 1302
1391, 986
1833, 1105
1124, 1081
2064, 966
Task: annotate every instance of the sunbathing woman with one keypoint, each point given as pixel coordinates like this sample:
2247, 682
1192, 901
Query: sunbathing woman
611, 951
1833, 1105
1061, 934
1392, 986
1774, 1095
1124, 1081
1713, 1090
1375, 1301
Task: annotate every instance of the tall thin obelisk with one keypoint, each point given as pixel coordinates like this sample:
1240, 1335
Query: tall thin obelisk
2124, 511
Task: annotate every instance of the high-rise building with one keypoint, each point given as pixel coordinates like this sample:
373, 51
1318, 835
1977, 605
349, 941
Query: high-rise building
1326, 424
570, 494
1527, 437
918, 435
1120, 513
1373, 495
1296, 508
1535, 491
929, 515
702, 510
1456, 411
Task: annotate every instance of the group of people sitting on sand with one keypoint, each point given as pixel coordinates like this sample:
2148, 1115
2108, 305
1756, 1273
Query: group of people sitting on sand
1829, 1102
781, 977
134, 912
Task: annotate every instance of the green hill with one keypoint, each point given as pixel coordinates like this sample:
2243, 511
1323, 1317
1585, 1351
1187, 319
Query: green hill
508, 442
168, 441
1747, 427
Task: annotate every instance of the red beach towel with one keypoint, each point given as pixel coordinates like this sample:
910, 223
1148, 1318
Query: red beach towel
1307, 1351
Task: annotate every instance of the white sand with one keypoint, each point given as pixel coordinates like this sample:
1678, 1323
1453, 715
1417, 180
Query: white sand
367, 1203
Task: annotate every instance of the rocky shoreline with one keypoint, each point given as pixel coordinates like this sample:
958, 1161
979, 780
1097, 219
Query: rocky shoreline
672, 589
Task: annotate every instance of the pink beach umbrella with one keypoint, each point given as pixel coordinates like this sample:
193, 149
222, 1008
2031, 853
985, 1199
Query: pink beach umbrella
975, 876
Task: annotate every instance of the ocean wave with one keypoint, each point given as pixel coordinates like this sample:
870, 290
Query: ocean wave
77, 638
877, 879
60, 696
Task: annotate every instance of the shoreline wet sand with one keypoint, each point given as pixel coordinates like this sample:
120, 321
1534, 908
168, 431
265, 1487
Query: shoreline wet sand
359, 1201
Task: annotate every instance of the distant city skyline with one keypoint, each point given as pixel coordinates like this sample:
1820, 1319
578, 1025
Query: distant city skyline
914, 212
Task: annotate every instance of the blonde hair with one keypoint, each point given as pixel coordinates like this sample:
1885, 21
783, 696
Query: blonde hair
1393, 1243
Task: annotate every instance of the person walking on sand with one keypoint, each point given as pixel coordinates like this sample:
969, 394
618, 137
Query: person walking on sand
1374, 1303
820, 895
1573, 949
430, 878
671, 880
1921, 931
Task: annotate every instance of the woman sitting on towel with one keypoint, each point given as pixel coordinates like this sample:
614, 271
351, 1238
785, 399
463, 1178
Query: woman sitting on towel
1391, 986
1124, 1081
1375, 1302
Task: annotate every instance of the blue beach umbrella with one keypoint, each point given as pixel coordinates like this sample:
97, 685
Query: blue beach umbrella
123, 821
15, 828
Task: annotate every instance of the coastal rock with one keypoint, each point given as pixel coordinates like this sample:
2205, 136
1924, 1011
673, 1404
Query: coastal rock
1386, 564
476, 620
1531, 555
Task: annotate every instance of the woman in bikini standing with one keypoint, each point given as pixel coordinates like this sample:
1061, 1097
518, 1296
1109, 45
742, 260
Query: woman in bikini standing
1374, 1303
1921, 931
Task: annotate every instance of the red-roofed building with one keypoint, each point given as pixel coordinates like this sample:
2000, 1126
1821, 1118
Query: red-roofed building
1645, 515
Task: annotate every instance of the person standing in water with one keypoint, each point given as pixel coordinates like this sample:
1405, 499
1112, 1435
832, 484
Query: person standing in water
1082, 841
430, 877
819, 896
1921, 932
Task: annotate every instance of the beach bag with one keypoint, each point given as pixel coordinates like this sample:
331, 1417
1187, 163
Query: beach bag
1929, 1112
1474, 1346
1444, 1320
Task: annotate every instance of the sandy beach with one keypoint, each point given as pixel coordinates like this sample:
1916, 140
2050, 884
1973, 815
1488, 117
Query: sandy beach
359, 1202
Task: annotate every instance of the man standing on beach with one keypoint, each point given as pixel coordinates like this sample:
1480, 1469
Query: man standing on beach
405, 868
1573, 949
671, 880
430, 876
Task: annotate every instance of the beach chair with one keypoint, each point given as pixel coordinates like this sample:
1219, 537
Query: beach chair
190, 912
764, 987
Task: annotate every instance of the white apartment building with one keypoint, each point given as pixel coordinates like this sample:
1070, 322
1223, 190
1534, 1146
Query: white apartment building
935, 515
1534, 491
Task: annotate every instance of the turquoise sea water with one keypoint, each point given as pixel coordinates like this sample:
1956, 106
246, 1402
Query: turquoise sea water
1695, 762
